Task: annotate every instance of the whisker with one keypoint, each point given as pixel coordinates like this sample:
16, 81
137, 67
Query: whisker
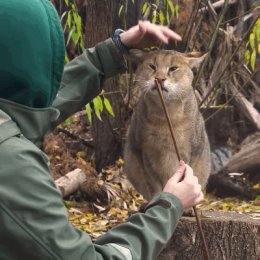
146, 92
139, 80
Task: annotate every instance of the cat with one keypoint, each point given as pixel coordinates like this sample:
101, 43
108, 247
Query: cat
149, 153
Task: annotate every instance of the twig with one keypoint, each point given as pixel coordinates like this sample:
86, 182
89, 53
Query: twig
228, 63
205, 247
111, 93
248, 16
249, 12
218, 4
212, 42
190, 24
74, 136
230, 99
211, 8
196, 31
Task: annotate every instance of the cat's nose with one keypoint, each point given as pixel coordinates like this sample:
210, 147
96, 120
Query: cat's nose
161, 78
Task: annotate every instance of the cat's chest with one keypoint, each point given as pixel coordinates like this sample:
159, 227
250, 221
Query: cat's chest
157, 138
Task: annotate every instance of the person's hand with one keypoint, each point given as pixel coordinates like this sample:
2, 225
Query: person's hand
184, 185
145, 34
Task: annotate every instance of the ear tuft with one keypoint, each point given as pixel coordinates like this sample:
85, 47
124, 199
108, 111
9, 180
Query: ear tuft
195, 59
194, 54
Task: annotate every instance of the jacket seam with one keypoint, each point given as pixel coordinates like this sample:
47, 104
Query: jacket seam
12, 131
52, 41
87, 62
30, 234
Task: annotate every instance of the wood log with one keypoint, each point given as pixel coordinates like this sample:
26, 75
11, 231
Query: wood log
70, 182
246, 107
230, 236
246, 160
230, 180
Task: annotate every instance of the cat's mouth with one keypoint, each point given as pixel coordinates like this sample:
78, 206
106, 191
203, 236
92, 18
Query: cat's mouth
163, 88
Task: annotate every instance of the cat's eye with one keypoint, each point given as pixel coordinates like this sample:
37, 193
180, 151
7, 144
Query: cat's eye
152, 66
173, 68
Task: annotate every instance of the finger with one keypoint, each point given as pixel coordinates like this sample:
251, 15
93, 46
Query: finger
198, 188
162, 33
180, 172
171, 34
151, 30
199, 199
188, 173
158, 33
142, 27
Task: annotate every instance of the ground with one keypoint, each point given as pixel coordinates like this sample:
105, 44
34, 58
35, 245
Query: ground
108, 198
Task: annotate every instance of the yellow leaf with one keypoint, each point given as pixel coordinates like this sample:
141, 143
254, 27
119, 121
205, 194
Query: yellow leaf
120, 162
103, 222
112, 212
83, 221
81, 154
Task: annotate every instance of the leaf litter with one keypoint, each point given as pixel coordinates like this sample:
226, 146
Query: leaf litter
111, 199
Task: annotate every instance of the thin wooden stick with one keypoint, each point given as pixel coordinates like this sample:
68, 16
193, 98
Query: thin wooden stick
168, 119
205, 247
202, 236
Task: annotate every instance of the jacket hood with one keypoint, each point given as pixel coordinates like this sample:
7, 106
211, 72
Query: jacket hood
31, 52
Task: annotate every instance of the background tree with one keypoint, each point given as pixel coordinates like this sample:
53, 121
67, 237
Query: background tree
101, 20
228, 89
225, 29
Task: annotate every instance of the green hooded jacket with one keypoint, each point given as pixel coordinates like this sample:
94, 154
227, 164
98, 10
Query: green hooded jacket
33, 99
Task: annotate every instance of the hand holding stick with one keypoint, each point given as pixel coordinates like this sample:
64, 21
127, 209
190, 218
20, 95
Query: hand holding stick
157, 83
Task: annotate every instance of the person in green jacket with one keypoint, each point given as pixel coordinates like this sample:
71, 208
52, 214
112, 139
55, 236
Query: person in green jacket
36, 95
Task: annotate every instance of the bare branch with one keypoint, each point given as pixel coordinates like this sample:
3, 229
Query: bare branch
218, 4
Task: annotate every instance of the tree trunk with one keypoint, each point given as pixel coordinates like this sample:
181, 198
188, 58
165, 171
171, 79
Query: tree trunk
100, 17
229, 236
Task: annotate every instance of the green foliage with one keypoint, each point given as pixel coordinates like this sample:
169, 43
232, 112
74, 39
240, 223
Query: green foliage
68, 121
99, 103
74, 37
253, 45
157, 11
98, 106
108, 106
89, 112
160, 12
72, 27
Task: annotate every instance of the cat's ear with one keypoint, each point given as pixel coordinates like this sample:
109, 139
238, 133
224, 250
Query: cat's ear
195, 59
136, 55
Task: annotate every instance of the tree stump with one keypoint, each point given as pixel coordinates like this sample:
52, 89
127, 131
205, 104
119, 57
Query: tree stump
230, 236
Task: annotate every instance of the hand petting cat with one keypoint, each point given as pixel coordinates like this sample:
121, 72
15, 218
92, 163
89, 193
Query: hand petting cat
145, 34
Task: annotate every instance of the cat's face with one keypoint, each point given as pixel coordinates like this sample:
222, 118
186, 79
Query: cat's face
171, 69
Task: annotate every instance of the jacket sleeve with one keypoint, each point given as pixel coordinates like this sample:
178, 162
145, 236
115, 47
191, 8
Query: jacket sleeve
83, 77
34, 220
146, 234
